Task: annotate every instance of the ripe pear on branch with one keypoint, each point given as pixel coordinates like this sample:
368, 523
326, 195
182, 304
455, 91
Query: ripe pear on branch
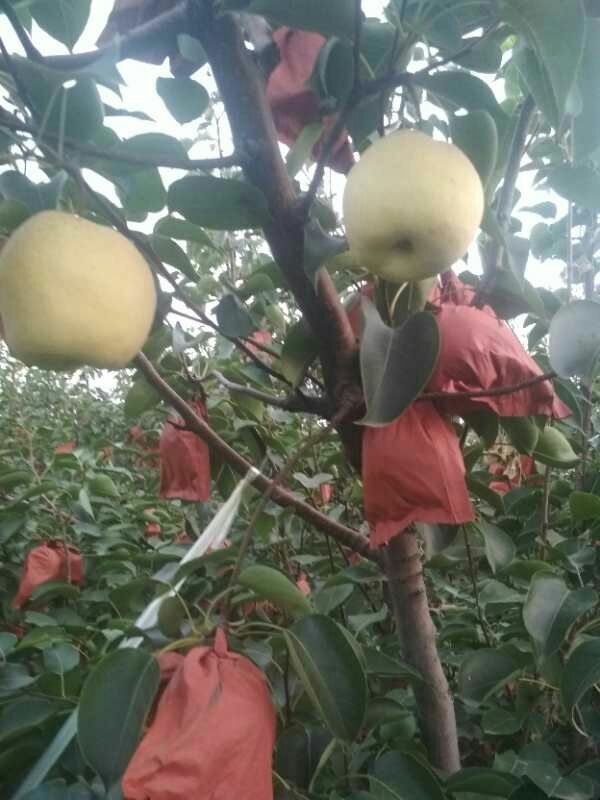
74, 293
412, 206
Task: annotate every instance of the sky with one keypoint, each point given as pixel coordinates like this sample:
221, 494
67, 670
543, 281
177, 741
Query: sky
139, 93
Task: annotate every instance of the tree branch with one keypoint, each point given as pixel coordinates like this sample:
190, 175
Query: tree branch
30, 50
293, 402
497, 392
127, 158
344, 535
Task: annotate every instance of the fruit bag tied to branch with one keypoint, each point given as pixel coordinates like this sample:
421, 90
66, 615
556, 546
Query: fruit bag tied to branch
212, 734
478, 351
184, 461
50, 561
413, 471
293, 103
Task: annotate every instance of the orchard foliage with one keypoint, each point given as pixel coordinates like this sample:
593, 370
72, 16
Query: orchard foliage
255, 282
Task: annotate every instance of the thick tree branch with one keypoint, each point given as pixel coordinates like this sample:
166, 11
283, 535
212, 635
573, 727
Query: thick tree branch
342, 534
417, 634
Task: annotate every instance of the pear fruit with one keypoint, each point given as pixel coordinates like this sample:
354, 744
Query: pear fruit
412, 206
74, 293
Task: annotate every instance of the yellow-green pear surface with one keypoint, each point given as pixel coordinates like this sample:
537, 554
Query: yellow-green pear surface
412, 206
72, 293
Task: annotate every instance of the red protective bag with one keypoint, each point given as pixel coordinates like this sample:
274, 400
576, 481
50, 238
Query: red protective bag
293, 103
184, 461
213, 732
65, 447
413, 471
479, 351
49, 561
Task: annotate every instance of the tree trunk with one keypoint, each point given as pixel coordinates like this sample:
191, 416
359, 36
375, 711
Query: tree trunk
417, 635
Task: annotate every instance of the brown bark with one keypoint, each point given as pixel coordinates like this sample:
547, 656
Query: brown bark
417, 633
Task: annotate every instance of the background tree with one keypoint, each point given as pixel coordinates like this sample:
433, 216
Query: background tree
257, 323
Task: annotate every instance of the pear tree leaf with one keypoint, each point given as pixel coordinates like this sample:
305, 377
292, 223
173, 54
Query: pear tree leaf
298, 353
232, 317
392, 376
575, 339
477, 136
221, 203
581, 672
586, 125
555, 30
319, 247
577, 183
185, 98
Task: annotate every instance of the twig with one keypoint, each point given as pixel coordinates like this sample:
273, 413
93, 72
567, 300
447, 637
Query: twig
505, 199
501, 390
19, 85
30, 50
472, 44
346, 536
128, 158
545, 523
298, 402
481, 618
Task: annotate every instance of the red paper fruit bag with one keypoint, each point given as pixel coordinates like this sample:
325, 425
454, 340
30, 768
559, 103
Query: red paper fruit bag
413, 471
184, 461
49, 561
293, 103
213, 732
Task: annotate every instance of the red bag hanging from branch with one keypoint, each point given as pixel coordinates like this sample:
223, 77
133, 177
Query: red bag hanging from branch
49, 561
184, 460
479, 351
213, 731
294, 104
413, 471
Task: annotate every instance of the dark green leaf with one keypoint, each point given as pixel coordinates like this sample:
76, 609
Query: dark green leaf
399, 776
584, 505
586, 125
330, 672
477, 136
220, 203
551, 609
555, 30
185, 98
298, 353
319, 247
499, 547
171, 253
276, 587
115, 702
484, 672
140, 397
233, 318
33, 196
64, 20
392, 376
579, 184
462, 90
483, 781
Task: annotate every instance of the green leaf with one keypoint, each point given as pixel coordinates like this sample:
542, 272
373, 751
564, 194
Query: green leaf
33, 196
500, 549
522, 432
183, 231
319, 247
276, 587
484, 672
298, 353
330, 672
171, 253
483, 781
581, 673
140, 397
554, 449
24, 714
580, 184
185, 98
335, 17
156, 146
400, 776
477, 136
115, 702
301, 150
64, 20
14, 677
555, 30
456, 89
220, 203
142, 192
61, 658
392, 377
586, 125
584, 505
574, 345
551, 609
232, 317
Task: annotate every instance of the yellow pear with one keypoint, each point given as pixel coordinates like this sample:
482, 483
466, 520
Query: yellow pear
412, 206
72, 293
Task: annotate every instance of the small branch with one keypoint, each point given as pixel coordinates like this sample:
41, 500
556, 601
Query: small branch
114, 155
545, 523
501, 390
30, 50
481, 618
346, 536
293, 403
506, 197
